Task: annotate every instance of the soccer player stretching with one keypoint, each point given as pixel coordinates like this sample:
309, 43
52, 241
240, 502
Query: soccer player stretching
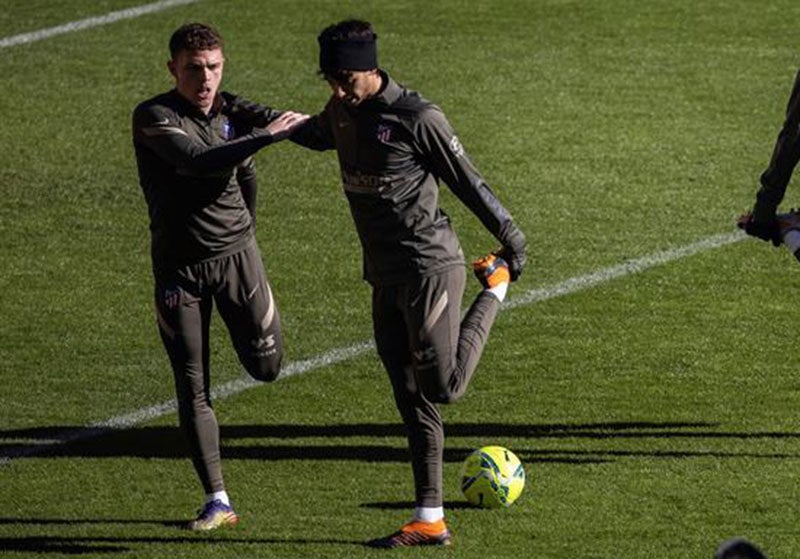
394, 147
193, 146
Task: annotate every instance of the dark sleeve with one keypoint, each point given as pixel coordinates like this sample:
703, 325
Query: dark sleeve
247, 115
785, 156
246, 177
315, 133
449, 162
157, 128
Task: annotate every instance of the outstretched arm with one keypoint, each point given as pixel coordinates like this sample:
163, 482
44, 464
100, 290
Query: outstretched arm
247, 114
155, 128
451, 164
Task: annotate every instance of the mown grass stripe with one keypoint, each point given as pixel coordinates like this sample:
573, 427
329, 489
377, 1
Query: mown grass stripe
634, 266
96, 21
339, 355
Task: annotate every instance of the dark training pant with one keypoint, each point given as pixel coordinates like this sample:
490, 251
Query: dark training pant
430, 355
184, 298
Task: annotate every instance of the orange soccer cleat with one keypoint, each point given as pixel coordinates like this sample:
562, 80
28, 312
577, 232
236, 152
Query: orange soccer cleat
415, 533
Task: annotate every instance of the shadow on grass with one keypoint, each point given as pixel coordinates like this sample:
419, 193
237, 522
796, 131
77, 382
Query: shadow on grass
61, 546
265, 442
82, 545
330, 442
99, 521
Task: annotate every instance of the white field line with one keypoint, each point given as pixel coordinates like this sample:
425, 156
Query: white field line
626, 268
96, 21
338, 355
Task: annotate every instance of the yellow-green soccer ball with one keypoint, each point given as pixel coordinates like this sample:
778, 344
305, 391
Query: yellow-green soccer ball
492, 477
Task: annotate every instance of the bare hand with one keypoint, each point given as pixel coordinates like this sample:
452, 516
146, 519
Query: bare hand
282, 126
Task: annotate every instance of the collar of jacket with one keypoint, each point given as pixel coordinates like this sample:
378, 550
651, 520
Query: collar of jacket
219, 104
390, 91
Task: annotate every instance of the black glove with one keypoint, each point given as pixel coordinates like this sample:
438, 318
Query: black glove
516, 260
513, 251
769, 231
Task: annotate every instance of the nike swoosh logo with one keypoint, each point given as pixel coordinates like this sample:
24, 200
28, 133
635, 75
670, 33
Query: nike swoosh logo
161, 122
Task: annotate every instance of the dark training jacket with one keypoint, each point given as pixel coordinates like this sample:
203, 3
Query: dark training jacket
393, 150
197, 175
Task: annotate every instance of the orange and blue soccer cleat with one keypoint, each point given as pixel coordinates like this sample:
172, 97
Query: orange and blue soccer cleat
215, 514
491, 271
415, 533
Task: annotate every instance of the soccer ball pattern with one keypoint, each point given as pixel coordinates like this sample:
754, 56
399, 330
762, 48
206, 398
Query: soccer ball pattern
492, 477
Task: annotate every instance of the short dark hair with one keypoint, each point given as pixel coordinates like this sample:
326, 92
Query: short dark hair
349, 29
194, 36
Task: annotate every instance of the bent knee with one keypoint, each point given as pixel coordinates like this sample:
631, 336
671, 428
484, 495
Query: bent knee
264, 372
264, 368
444, 397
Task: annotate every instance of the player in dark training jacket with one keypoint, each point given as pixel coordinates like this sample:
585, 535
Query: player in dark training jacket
763, 222
393, 148
193, 149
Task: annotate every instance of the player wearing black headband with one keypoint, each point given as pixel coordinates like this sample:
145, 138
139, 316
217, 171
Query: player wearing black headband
394, 147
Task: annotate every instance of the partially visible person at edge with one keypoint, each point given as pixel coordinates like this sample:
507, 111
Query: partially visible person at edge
763, 221
194, 147
739, 548
394, 147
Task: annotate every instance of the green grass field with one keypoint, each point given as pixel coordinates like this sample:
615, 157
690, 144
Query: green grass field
655, 412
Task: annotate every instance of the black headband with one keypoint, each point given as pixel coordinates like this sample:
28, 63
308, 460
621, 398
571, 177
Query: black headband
350, 54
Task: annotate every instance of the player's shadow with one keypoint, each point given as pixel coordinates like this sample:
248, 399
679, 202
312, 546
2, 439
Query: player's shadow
85, 545
335, 442
59, 545
285, 441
